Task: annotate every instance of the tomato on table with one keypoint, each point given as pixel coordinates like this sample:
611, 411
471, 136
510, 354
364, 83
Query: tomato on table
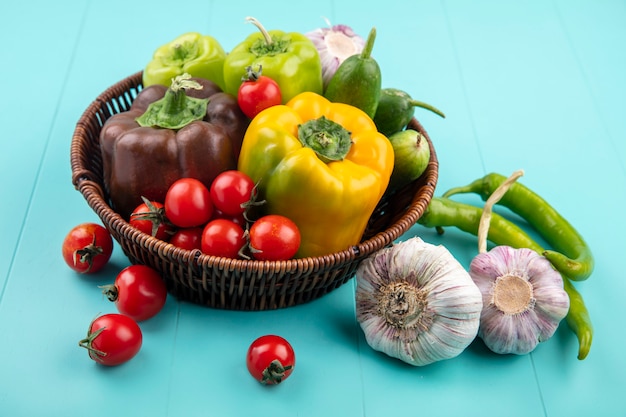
112, 339
138, 292
270, 359
87, 248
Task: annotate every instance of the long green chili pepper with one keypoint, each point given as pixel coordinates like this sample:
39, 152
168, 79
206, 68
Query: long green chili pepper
443, 212
571, 254
580, 322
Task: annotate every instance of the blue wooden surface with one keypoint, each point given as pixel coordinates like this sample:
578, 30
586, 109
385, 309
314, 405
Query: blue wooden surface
538, 85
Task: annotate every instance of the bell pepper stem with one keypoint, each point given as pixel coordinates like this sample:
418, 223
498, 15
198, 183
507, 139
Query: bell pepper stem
266, 35
328, 139
175, 110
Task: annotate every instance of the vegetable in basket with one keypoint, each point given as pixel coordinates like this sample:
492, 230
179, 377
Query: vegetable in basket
191, 129
192, 53
357, 80
321, 164
396, 109
290, 59
411, 156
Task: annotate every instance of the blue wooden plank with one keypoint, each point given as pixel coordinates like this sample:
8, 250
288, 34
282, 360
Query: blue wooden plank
33, 79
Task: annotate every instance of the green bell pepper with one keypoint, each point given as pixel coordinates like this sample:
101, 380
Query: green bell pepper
290, 59
199, 55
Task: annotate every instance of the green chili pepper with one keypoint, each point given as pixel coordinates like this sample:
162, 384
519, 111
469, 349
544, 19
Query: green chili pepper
442, 212
571, 255
578, 319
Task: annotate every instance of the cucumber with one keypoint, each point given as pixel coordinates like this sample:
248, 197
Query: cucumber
357, 81
396, 109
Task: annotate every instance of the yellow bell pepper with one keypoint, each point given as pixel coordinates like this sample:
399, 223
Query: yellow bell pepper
321, 164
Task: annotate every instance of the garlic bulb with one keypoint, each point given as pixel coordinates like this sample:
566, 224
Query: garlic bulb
415, 302
523, 299
334, 44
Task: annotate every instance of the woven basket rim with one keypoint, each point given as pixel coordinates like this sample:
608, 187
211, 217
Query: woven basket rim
84, 182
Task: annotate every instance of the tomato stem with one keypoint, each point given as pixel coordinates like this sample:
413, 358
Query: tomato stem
154, 215
251, 74
87, 343
88, 253
110, 291
275, 372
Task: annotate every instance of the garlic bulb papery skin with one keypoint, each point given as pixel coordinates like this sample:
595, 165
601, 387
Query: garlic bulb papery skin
334, 44
523, 299
415, 302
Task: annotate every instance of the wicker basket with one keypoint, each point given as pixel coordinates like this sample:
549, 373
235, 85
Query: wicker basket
235, 284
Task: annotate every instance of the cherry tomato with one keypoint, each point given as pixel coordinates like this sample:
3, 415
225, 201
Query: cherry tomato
222, 237
188, 203
189, 238
112, 339
274, 238
258, 93
138, 292
149, 217
230, 190
87, 248
237, 218
270, 359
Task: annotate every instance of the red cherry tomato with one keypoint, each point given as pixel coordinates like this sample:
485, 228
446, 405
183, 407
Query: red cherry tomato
270, 359
87, 248
258, 93
237, 218
138, 292
222, 237
230, 190
189, 238
149, 217
112, 339
188, 203
274, 238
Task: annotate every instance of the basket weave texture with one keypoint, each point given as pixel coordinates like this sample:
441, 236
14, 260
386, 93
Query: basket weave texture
235, 284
